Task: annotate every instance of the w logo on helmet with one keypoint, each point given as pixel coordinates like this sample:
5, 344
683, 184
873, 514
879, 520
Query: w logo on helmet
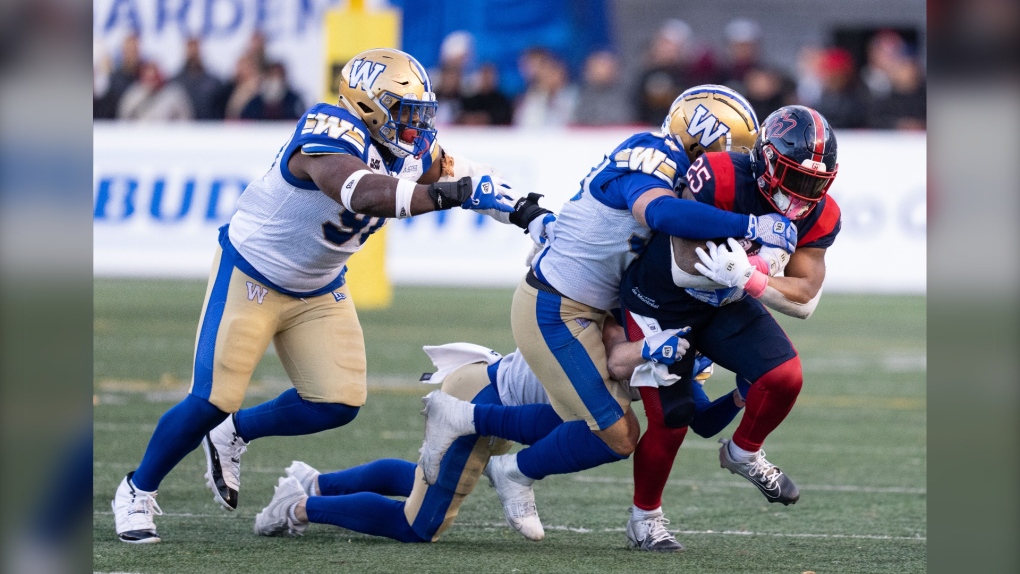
706, 127
364, 73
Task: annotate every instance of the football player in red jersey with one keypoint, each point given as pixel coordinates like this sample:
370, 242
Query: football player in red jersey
789, 171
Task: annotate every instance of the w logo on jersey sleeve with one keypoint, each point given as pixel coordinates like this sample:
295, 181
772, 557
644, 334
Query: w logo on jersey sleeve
706, 127
364, 73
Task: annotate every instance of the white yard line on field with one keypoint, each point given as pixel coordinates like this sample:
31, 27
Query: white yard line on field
578, 530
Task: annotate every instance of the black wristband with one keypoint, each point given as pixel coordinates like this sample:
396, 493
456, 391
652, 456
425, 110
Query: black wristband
527, 210
450, 194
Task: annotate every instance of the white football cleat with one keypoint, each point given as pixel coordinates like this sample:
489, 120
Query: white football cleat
446, 419
516, 494
278, 516
223, 450
133, 510
649, 533
304, 474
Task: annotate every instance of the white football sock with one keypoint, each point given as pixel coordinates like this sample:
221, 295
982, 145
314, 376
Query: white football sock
639, 514
740, 455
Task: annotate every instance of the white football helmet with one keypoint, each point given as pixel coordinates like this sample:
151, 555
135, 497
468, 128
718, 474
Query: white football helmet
391, 92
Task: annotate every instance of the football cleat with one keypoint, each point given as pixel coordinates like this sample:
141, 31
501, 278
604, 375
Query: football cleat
446, 419
650, 534
772, 482
304, 474
516, 494
278, 516
223, 450
133, 510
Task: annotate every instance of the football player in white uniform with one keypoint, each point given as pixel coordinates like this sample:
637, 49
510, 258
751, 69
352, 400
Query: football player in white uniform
279, 274
358, 498
560, 307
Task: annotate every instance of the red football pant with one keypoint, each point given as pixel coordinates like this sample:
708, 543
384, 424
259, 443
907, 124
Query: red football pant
655, 453
770, 399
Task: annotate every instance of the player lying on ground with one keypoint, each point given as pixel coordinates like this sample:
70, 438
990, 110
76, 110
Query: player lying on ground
574, 282
356, 498
279, 274
789, 171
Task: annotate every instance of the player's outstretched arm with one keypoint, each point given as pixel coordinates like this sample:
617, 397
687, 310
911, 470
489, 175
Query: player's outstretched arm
661, 210
347, 180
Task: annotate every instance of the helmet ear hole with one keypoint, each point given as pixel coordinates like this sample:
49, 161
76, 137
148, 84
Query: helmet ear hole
364, 107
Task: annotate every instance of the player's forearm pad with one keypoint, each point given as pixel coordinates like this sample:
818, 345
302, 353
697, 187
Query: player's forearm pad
450, 194
526, 210
692, 220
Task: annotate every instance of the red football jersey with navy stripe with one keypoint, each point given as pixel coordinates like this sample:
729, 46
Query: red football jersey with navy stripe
725, 180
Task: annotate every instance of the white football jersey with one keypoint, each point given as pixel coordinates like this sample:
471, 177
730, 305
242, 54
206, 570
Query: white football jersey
595, 236
295, 236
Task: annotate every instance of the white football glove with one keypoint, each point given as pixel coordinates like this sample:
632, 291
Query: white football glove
728, 267
541, 230
776, 257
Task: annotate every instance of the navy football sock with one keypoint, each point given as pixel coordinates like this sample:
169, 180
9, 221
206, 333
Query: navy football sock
364, 512
524, 424
714, 418
179, 431
571, 447
387, 476
290, 415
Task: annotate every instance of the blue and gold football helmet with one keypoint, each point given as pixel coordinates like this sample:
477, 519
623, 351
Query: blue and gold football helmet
392, 94
711, 118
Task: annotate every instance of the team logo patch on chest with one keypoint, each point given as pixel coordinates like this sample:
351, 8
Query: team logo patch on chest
256, 292
375, 163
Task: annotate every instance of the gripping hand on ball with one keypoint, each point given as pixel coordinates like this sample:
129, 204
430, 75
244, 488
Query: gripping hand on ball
730, 267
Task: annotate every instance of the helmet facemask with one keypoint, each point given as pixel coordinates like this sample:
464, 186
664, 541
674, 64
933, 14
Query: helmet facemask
793, 190
409, 128
391, 92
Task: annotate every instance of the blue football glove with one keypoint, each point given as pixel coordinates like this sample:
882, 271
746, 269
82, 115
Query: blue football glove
703, 368
666, 347
772, 230
489, 199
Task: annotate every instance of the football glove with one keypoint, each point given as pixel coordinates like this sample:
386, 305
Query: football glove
731, 268
772, 230
541, 229
527, 210
775, 257
477, 193
666, 347
490, 199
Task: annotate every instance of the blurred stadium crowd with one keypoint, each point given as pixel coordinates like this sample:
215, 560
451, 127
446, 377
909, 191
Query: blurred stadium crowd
887, 90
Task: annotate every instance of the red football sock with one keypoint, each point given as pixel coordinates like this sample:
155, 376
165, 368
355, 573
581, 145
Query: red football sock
770, 399
655, 453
